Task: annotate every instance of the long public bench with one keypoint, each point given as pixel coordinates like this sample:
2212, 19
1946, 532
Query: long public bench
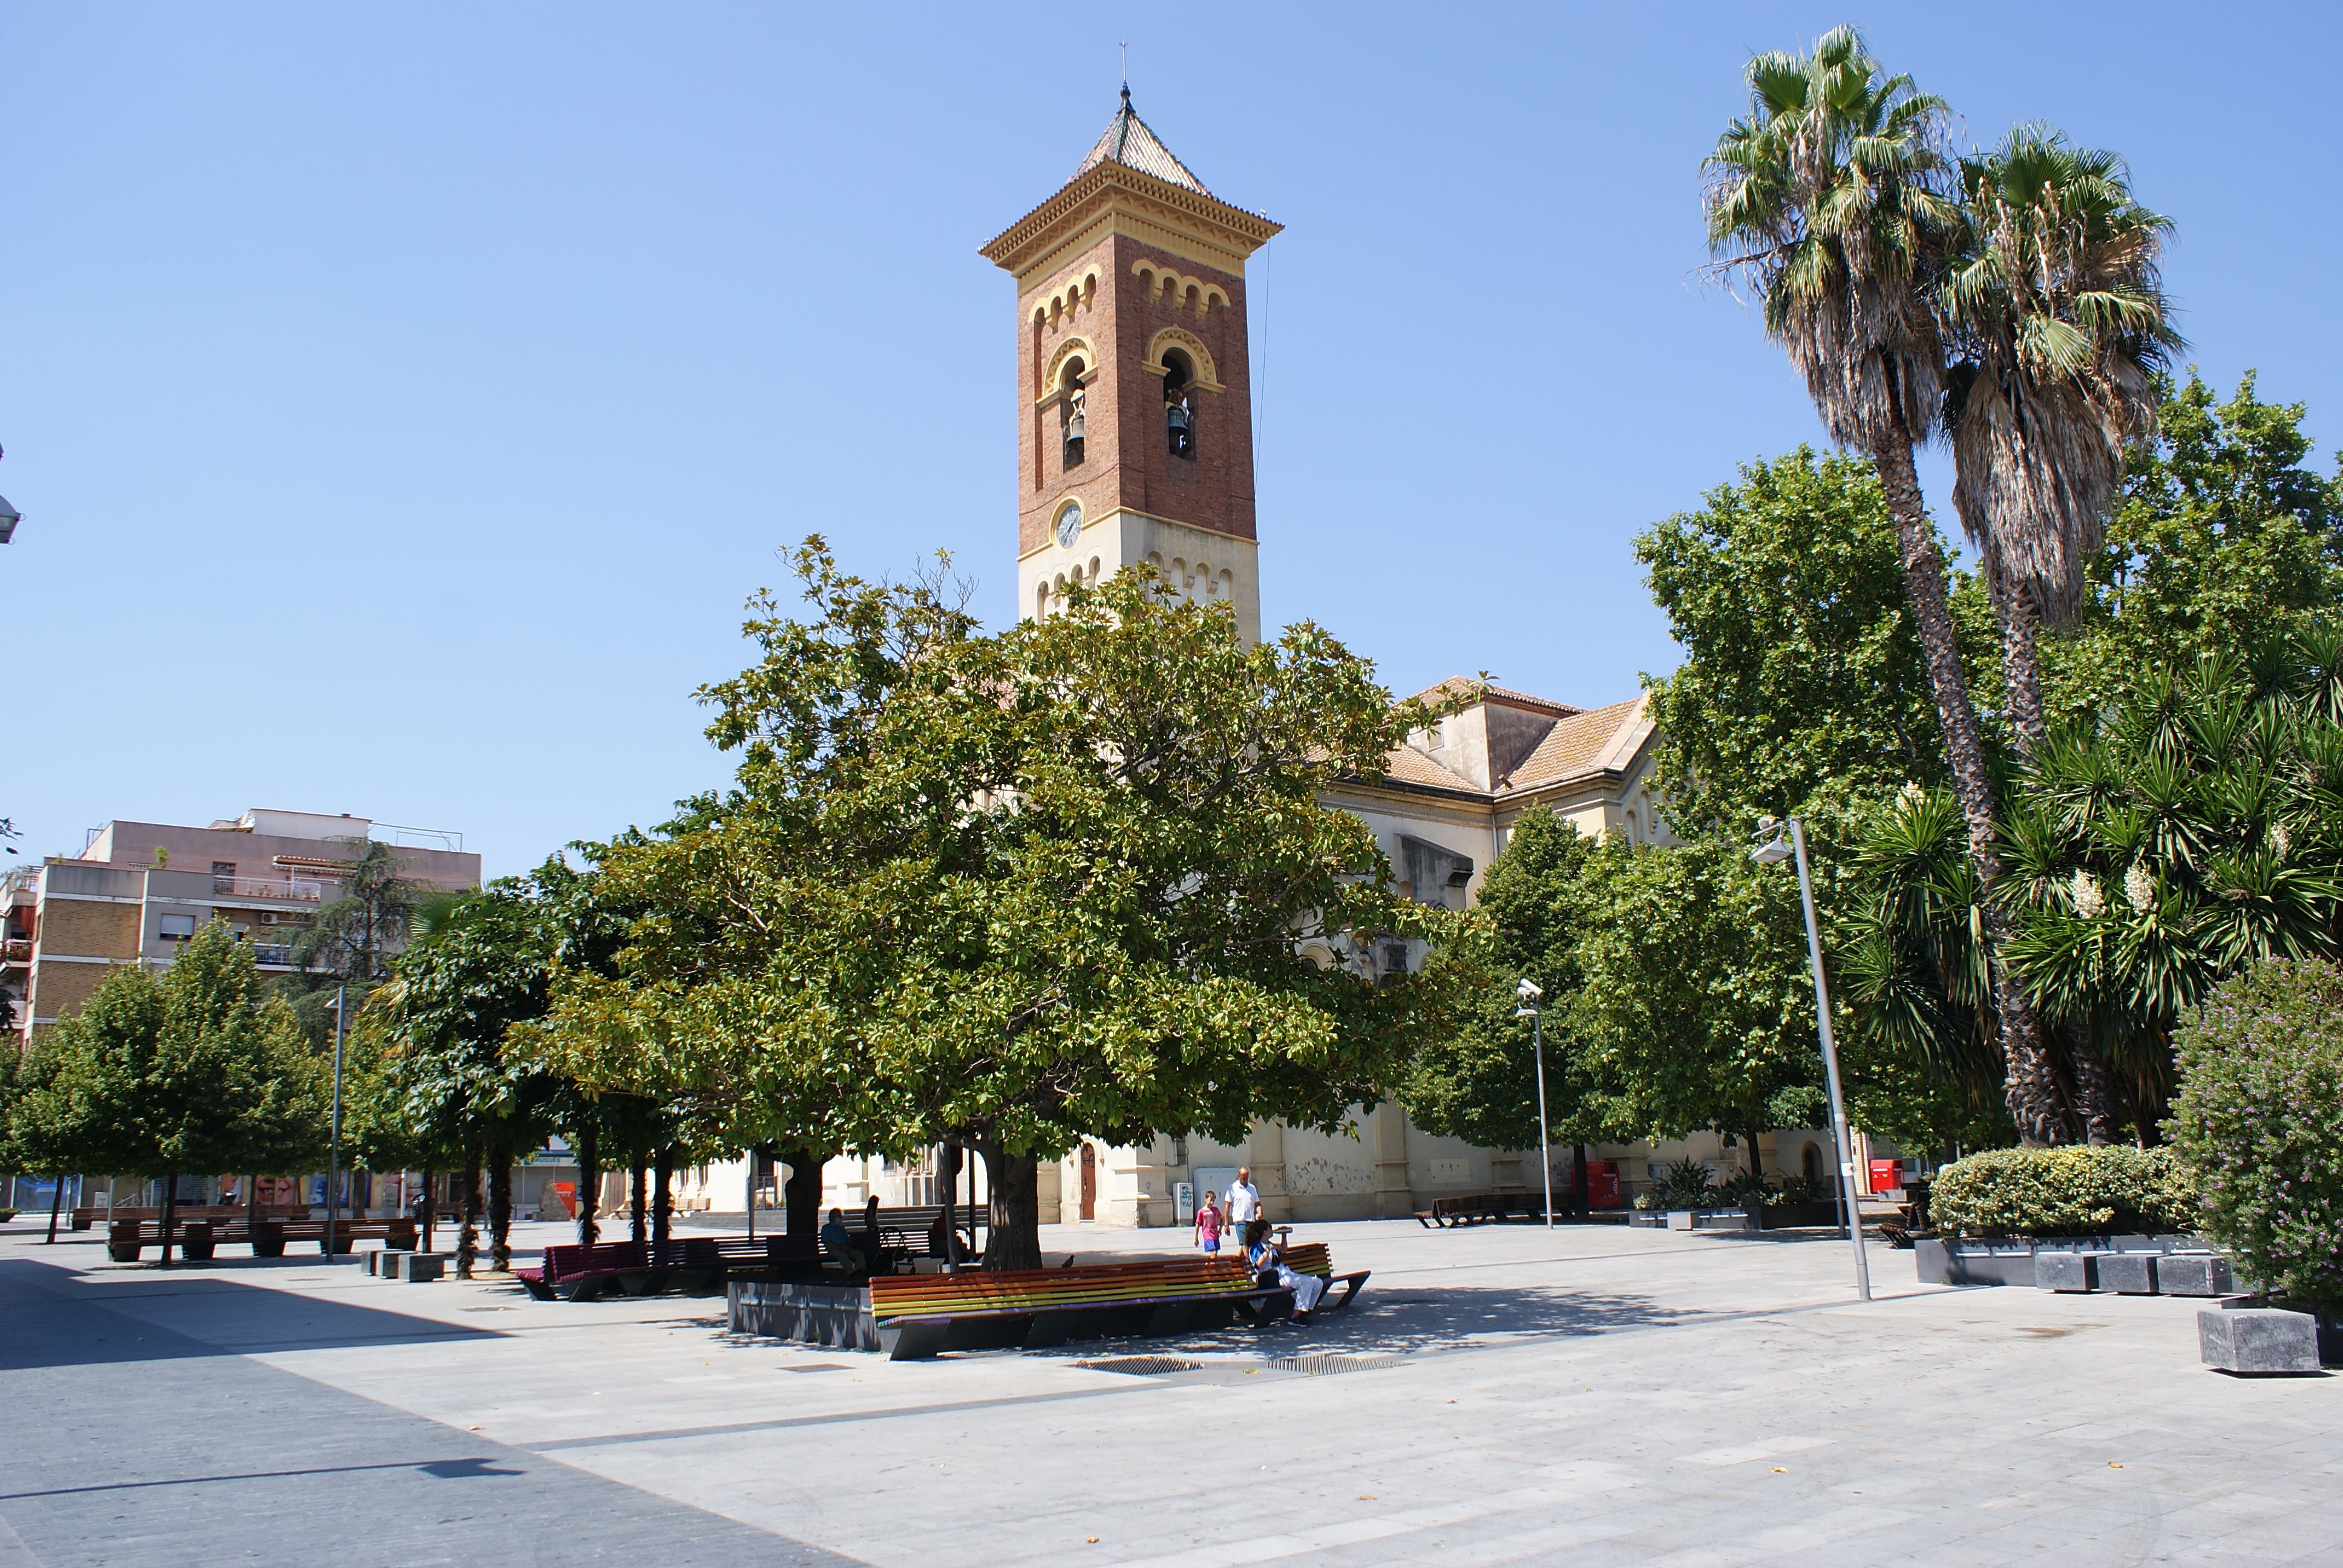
581, 1273
920, 1315
1475, 1208
199, 1239
90, 1215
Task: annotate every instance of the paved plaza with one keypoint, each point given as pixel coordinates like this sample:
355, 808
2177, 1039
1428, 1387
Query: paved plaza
1591, 1395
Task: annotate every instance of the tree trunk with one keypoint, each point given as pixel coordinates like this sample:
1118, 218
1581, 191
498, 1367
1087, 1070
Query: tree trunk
2021, 665
663, 1197
499, 1209
589, 1184
467, 1212
430, 1209
2095, 1092
1756, 1163
948, 1174
56, 1197
639, 1198
2028, 1084
1581, 1195
801, 1195
1012, 1237
170, 1212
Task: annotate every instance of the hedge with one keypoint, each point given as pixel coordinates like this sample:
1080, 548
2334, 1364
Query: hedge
2259, 1122
2071, 1191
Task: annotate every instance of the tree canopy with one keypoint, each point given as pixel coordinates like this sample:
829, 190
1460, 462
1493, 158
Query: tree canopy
1072, 879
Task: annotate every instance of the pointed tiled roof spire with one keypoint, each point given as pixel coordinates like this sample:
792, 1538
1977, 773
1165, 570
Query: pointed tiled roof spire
1127, 141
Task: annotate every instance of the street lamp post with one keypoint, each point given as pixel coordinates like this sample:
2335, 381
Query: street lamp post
334, 1140
1772, 851
1529, 992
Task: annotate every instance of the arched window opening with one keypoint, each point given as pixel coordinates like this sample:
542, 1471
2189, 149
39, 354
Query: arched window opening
1180, 403
1069, 385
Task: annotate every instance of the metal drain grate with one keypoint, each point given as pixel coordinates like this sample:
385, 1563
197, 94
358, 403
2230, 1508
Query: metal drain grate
1328, 1365
1142, 1366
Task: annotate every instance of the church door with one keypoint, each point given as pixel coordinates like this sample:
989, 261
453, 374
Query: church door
1089, 1183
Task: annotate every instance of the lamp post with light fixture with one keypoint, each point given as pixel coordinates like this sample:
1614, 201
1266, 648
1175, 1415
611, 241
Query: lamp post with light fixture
1773, 849
1528, 992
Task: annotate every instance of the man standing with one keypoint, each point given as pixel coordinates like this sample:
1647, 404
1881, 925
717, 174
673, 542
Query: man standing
1244, 1203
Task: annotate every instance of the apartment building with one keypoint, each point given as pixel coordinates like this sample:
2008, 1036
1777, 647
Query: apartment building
138, 890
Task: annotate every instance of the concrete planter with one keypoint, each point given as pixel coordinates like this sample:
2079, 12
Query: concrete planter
2010, 1260
1806, 1216
834, 1315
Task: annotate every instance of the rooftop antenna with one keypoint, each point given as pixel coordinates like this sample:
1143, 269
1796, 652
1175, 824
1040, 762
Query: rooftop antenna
1126, 72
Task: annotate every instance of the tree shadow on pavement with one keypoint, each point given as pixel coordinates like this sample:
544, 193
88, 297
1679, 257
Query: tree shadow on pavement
1424, 1319
58, 1319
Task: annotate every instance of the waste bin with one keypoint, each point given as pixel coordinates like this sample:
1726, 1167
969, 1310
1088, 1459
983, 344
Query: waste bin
1602, 1183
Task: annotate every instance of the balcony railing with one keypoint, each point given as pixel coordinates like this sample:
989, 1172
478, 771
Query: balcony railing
15, 950
271, 954
203, 886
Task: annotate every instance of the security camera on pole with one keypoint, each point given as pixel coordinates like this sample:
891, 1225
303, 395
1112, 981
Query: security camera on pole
1529, 993
1772, 850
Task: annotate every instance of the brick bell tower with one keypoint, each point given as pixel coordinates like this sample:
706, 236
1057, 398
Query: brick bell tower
1133, 393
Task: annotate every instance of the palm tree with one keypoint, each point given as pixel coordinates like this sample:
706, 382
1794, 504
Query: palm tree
2059, 322
1836, 198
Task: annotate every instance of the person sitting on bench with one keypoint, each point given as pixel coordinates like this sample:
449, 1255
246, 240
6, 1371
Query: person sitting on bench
837, 1243
1268, 1264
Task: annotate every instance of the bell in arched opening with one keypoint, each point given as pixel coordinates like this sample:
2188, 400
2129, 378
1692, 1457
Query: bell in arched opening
1179, 406
1071, 398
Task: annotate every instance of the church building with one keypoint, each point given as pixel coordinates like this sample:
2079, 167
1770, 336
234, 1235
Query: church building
1134, 421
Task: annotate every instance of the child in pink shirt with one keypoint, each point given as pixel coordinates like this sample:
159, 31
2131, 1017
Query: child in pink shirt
1208, 1228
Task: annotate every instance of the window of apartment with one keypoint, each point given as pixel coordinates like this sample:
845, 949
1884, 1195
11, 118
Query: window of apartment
223, 876
176, 928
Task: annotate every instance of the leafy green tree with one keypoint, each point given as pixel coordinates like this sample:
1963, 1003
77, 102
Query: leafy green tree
1802, 689
1478, 1080
451, 1089
1018, 889
199, 1068
2224, 537
355, 933
2260, 1126
1833, 198
2060, 325
1695, 1008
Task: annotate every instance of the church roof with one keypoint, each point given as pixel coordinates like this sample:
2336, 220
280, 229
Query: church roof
1528, 745
1127, 141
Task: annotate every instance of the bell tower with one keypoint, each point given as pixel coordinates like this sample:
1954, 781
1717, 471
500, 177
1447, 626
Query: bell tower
1134, 397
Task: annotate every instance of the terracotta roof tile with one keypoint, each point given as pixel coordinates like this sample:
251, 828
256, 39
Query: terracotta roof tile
1576, 745
1465, 685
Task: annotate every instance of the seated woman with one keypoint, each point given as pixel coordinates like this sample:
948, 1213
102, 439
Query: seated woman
837, 1243
1269, 1268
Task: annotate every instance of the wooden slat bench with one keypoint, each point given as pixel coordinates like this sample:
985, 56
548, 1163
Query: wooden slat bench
200, 1239
575, 1273
1470, 1209
90, 1215
918, 1315
1312, 1258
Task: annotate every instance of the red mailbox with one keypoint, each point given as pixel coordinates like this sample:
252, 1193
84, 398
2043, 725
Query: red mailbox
1886, 1175
1602, 1183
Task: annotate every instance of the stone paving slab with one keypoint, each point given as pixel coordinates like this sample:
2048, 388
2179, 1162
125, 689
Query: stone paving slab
1588, 1394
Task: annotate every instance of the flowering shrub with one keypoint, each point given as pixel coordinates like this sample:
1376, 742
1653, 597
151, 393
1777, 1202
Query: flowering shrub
2071, 1191
2259, 1122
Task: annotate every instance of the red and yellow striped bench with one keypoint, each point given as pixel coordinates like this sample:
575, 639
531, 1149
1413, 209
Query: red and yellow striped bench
918, 1315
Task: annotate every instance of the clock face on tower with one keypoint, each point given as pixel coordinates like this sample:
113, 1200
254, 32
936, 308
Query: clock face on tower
1069, 524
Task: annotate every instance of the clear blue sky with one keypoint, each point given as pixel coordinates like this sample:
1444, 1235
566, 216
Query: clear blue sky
402, 399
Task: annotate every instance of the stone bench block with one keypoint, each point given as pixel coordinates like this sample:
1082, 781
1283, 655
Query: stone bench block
2067, 1270
2128, 1274
2258, 1341
2194, 1275
414, 1268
